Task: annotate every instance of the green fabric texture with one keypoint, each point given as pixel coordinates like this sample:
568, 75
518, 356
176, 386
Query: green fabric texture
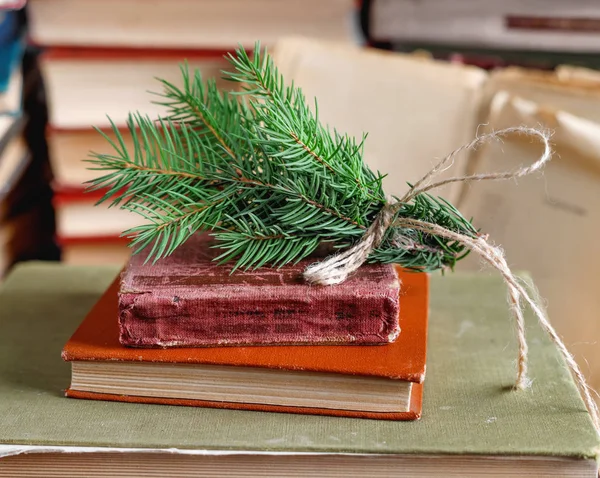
468, 405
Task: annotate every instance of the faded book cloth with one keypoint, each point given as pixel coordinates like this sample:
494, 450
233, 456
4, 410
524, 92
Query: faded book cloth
188, 300
568, 90
468, 409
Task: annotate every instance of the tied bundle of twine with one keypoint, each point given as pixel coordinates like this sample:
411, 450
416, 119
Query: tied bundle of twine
336, 268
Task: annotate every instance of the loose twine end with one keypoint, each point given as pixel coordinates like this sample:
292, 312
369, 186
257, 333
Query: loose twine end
336, 268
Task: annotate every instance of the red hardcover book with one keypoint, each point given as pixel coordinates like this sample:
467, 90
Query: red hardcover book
70, 148
80, 220
121, 80
377, 382
188, 300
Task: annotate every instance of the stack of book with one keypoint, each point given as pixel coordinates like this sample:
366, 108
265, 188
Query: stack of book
101, 60
11, 49
472, 424
14, 160
13, 154
186, 331
488, 34
26, 224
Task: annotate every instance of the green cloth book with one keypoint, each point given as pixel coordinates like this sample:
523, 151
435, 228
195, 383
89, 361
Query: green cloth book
472, 423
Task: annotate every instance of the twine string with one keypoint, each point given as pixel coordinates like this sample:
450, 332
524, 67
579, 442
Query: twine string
336, 268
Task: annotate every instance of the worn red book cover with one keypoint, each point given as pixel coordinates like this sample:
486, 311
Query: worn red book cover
97, 339
188, 300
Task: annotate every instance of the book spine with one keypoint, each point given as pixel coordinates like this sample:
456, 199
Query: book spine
149, 320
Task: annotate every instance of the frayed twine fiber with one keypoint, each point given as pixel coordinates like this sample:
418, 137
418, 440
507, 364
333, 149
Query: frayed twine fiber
336, 268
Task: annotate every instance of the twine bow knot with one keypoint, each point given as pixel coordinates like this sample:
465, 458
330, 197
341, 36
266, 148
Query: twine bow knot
336, 268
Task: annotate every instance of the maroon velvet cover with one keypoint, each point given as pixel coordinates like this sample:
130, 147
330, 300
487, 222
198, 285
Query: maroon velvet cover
187, 300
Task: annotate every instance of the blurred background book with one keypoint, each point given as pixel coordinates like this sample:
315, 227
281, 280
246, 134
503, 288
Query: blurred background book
26, 215
421, 77
100, 60
540, 33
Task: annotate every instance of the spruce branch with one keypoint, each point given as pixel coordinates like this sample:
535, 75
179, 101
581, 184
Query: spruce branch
258, 169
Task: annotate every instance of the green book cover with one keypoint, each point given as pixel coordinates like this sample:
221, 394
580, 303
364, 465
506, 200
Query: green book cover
468, 409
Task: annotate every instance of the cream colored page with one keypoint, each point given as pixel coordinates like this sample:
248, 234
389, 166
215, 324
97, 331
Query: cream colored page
205, 24
69, 82
69, 149
577, 73
571, 90
415, 111
548, 224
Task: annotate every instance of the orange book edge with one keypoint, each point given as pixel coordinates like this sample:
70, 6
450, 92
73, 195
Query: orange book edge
414, 412
96, 339
99, 53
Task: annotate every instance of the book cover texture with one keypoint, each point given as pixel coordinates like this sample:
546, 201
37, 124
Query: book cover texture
188, 300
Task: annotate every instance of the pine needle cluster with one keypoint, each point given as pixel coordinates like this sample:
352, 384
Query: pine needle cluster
258, 169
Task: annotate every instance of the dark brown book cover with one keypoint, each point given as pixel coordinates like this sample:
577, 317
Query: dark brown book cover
97, 339
188, 300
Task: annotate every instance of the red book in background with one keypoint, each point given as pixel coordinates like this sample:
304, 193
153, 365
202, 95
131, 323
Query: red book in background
70, 148
88, 233
188, 300
78, 218
121, 81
